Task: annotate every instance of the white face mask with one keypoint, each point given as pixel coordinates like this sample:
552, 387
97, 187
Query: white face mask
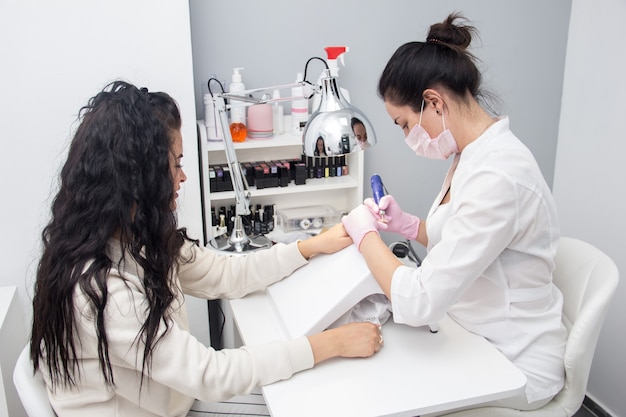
422, 144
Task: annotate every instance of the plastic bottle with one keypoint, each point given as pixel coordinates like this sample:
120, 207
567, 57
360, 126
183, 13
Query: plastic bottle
212, 120
332, 54
238, 129
299, 108
278, 114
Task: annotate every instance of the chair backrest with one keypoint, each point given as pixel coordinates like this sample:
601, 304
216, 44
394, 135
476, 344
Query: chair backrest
587, 278
31, 388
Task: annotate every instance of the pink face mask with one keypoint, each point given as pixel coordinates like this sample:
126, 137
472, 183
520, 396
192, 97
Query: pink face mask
422, 144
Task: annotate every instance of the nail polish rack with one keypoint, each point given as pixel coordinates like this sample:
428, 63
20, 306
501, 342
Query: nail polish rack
340, 192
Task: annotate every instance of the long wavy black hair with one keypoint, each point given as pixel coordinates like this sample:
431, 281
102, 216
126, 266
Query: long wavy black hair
116, 181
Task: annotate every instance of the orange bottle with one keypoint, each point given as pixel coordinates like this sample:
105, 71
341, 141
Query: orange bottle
238, 131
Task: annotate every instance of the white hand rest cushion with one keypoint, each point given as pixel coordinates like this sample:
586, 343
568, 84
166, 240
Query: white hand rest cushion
317, 295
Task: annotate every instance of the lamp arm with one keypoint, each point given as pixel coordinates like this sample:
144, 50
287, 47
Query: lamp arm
247, 97
240, 185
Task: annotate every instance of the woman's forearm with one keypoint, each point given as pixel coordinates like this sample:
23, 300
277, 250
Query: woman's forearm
380, 260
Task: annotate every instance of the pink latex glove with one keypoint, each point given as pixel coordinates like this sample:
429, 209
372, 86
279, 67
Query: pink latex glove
358, 223
395, 220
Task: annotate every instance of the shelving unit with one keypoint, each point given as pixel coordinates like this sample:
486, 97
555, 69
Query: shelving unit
342, 193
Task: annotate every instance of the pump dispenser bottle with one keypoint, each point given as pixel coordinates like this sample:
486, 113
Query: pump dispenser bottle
333, 53
238, 129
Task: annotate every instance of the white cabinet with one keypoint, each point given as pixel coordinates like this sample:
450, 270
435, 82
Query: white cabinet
340, 192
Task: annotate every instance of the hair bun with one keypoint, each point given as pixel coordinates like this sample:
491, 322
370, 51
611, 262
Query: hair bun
450, 33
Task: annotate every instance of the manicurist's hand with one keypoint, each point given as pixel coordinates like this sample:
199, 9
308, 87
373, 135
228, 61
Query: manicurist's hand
395, 219
330, 241
359, 222
352, 340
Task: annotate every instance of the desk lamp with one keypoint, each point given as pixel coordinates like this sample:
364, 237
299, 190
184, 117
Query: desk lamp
333, 121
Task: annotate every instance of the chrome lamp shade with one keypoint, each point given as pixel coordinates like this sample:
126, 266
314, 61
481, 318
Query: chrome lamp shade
336, 127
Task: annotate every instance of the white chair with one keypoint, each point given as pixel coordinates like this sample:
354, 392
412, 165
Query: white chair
587, 278
31, 388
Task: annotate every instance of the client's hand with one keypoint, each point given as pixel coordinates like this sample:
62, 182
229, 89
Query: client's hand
360, 222
352, 340
395, 219
329, 241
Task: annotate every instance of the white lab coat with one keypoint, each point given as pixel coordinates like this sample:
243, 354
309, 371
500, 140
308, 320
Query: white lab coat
490, 259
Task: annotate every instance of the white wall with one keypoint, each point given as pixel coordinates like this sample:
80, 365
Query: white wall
55, 56
590, 173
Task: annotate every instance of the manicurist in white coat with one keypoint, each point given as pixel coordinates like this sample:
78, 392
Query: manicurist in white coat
110, 331
492, 232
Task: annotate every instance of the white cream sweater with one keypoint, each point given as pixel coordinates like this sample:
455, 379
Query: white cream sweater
183, 369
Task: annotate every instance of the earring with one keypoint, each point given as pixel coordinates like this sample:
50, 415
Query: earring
437, 111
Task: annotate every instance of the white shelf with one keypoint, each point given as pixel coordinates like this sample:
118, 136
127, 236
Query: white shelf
286, 139
312, 185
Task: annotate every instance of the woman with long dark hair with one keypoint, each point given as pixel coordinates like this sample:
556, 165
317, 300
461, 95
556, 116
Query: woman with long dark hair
110, 331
